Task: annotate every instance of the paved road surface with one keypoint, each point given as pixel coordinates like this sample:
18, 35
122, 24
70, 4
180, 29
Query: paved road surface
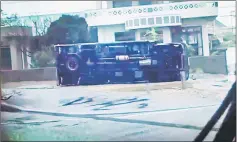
112, 112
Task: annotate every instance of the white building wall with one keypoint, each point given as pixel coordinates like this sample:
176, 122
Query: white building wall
195, 22
205, 41
137, 35
16, 57
106, 33
99, 4
167, 38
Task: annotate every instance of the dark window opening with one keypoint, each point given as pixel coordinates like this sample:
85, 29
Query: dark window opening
125, 36
5, 59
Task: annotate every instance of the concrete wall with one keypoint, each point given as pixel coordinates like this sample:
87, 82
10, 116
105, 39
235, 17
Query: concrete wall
42, 74
212, 64
209, 64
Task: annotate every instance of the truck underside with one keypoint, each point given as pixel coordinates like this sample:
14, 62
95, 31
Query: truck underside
162, 64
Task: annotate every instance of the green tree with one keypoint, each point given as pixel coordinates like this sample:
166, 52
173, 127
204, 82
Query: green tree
152, 35
229, 36
228, 40
68, 29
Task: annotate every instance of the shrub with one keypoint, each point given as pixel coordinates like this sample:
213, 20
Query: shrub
43, 58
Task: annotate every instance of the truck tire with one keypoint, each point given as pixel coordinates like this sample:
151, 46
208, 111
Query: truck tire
72, 64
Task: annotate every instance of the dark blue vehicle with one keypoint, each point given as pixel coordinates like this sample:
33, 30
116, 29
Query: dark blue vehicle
99, 63
171, 59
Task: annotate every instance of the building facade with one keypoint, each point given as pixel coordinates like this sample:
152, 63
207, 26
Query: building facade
130, 20
13, 42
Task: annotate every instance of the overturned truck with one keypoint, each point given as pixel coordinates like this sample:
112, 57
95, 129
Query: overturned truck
100, 63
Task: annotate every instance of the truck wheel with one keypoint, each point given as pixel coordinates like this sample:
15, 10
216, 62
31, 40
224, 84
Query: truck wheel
72, 63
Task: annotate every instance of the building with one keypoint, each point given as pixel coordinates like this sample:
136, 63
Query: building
13, 42
130, 20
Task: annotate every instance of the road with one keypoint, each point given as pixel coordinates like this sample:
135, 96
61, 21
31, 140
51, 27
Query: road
160, 111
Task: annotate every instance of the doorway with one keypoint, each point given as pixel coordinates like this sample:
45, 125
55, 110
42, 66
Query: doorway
5, 58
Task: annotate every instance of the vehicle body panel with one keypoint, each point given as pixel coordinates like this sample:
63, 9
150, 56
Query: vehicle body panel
122, 61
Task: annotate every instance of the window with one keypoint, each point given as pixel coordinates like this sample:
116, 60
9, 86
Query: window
124, 3
158, 20
151, 21
109, 50
172, 19
5, 59
125, 36
127, 24
145, 2
177, 19
130, 23
192, 39
136, 22
166, 20
143, 21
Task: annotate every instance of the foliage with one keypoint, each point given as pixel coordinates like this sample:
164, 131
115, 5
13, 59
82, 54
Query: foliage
67, 30
229, 36
43, 58
152, 35
190, 50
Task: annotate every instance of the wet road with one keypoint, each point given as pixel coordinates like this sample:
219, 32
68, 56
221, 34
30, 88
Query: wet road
99, 113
